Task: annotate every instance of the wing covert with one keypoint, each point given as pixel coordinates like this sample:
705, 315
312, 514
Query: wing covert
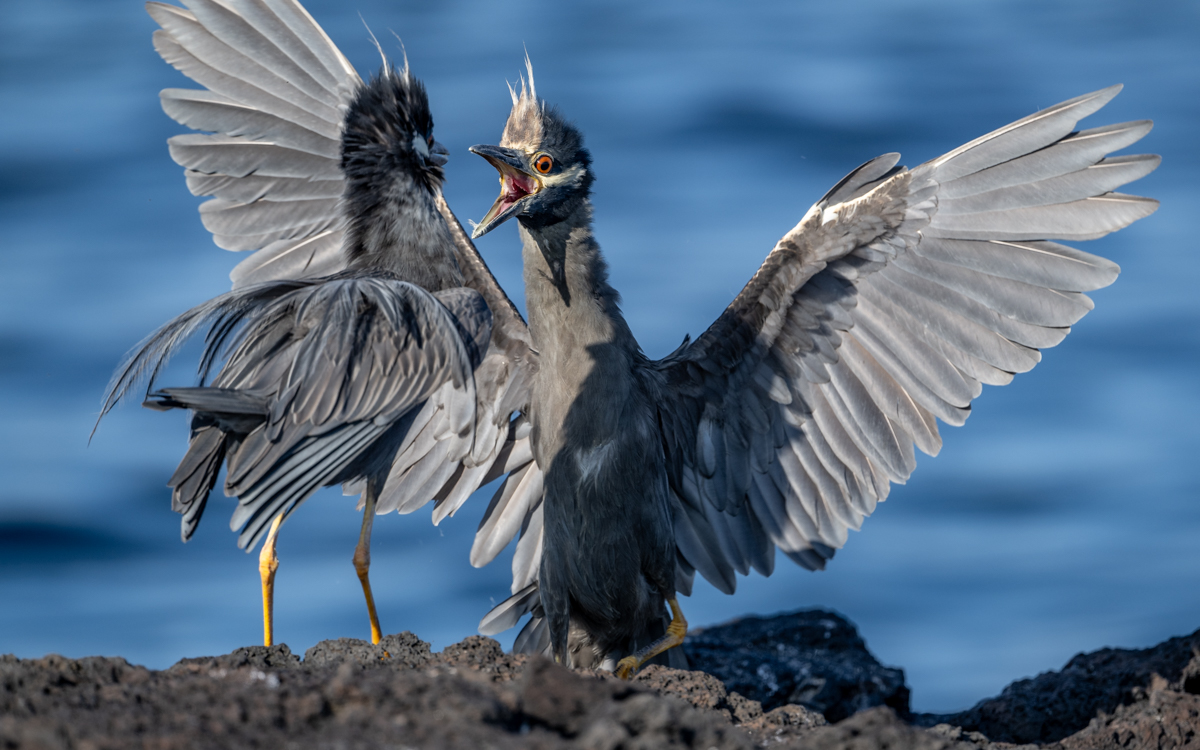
888, 307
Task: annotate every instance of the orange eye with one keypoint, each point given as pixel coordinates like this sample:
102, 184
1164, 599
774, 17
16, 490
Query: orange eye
543, 164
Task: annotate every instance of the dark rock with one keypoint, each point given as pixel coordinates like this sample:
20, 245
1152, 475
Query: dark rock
1053, 705
1189, 681
485, 656
1159, 718
401, 649
349, 694
30, 685
702, 691
875, 729
326, 653
745, 710
553, 697
783, 724
811, 658
958, 733
346, 694
697, 688
612, 713
278, 656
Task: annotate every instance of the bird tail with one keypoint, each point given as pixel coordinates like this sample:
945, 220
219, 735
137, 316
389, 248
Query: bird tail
222, 316
193, 481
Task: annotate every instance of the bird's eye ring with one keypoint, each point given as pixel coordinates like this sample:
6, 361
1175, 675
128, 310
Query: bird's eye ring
543, 164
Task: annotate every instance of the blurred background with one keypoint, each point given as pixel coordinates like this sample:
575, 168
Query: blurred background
1062, 518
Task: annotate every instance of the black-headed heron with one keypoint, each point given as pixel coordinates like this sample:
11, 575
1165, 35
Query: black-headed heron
349, 349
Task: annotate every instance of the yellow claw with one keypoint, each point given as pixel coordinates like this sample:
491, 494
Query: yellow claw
672, 638
626, 667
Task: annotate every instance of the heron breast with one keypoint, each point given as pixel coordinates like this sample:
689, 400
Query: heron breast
591, 460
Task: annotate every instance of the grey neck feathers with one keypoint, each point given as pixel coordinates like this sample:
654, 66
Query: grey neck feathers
395, 226
571, 305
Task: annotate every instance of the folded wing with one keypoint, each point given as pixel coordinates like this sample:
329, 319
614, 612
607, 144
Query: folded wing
499, 445
322, 385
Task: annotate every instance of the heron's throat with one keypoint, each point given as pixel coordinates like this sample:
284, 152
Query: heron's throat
570, 303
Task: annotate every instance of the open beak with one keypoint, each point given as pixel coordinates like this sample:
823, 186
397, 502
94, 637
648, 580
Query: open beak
516, 184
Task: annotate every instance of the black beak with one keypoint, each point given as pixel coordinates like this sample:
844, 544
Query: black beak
517, 183
438, 155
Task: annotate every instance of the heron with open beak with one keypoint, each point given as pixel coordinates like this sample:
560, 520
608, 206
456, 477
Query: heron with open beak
887, 307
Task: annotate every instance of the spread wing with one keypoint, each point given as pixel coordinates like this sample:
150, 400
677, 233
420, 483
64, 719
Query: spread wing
885, 309
277, 89
275, 94
896, 297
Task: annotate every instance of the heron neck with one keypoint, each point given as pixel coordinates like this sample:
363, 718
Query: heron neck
572, 308
395, 226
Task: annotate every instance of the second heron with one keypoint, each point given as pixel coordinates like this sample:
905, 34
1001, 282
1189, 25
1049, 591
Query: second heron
886, 308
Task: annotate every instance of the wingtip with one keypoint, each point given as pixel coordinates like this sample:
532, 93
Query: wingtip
1105, 95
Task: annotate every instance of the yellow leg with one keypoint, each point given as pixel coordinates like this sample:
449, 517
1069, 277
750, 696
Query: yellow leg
362, 560
672, 638
268, 563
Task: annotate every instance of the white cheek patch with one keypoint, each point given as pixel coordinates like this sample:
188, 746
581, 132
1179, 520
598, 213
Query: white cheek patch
567, 177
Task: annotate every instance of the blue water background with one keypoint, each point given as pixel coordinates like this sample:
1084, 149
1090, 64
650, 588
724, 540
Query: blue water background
1062, 518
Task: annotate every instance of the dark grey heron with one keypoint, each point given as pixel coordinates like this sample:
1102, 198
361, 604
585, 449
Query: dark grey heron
886, 308
347, 350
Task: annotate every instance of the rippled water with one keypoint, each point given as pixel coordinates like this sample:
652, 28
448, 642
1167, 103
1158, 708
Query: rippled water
1062, 518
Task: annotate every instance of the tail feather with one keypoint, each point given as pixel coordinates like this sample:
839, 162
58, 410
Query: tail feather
193, 481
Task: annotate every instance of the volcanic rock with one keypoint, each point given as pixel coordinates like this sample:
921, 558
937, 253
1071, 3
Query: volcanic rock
812, 658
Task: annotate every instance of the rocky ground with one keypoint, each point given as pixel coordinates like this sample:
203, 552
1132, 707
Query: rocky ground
803, 679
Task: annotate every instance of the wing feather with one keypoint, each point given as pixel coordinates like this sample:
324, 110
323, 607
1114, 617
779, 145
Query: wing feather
276, 93
889, 305
311, 257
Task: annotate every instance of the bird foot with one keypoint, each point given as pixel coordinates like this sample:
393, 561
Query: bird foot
672, 638
626, 667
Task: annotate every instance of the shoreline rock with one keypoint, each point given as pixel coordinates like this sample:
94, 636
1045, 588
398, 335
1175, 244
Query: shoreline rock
1057, 704
350, 694
812, 658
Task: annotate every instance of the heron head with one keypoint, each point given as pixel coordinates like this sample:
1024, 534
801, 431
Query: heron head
545, 172
388, 130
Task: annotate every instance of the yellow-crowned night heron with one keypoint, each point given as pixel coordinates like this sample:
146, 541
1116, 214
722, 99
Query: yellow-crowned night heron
350, 338
896, 296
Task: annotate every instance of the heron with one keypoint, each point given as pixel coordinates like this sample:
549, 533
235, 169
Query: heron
886, 308
349, 347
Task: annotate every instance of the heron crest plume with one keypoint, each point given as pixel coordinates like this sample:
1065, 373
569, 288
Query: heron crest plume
535, 126
393, 172
386, 126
